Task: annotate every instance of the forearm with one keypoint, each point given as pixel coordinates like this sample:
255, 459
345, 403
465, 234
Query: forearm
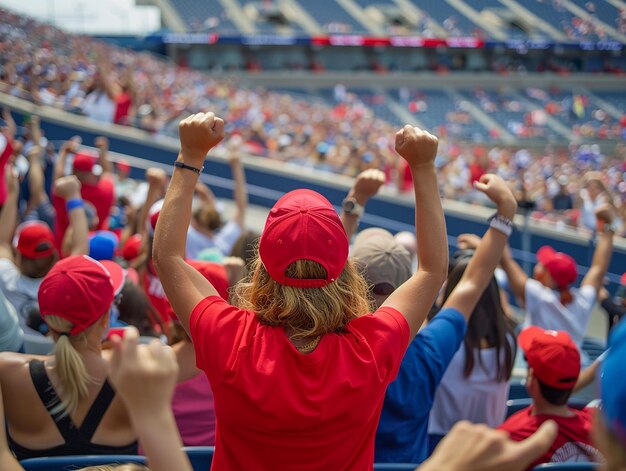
8, 219
79, 243
36, 178
430, 225
160, 441
174, 218
59, 165
240, 192
603, 252
154, 194
104, 162
515, 274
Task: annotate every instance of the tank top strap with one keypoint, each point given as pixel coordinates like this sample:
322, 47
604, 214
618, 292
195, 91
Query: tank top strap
97, 411
50, 400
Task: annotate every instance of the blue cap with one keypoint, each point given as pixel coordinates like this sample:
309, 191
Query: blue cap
102, 245
613, 383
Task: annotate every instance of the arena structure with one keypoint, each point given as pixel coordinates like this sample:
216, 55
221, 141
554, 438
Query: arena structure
531, 89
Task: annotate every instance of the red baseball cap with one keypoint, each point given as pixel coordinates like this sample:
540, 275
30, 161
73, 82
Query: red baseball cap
303, 225
215, 273
78, 289
553, 356
34, 240
84, 162
124, 166
118, 275
132, 247
622, 279
562, 267
153, 216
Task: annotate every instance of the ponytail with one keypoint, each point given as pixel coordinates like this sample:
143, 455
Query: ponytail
70, 367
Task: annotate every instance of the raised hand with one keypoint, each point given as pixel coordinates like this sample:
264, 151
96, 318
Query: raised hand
468, 241
143, 375
67, 187
156, 177
367, 184
605, 213
499, 192
102, 143
198, 134
416, 146
469, 446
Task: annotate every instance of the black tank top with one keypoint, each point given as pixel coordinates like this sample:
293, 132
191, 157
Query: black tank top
77, 439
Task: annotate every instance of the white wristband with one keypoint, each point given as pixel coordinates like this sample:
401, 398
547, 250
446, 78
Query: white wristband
502, 224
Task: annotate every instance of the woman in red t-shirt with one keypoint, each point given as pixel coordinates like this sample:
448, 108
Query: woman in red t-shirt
298, 368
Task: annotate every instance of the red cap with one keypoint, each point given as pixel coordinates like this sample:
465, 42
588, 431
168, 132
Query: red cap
622, 279
78, 289
132, 247
215, 273
303, 225
553, 356
153, 217
34, 240
84, 162
123, 166
562, 267
118, 275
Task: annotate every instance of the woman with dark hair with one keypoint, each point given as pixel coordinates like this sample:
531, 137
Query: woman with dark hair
475, 386
299, 369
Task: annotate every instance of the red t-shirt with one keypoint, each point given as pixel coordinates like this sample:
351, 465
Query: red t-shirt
476, 172
573, 442
100, 195
279, 409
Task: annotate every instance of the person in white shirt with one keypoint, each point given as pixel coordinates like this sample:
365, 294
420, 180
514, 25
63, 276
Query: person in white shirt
550, 301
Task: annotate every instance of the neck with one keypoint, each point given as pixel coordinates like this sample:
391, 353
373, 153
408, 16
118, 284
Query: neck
545, 408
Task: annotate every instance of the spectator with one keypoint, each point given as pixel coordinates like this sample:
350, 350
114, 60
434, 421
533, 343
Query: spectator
482, 368
594, 195
23, 267
7, 134
70, 387
294, 342
563, 200
402, 431
553, 369
11, 334
550, 301
206, 229
615, 309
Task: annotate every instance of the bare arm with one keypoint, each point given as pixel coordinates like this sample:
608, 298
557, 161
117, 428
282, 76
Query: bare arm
7, 460
240, 192
587, 376
10, 122
365, 186
145, 377
416, 296
602, 254
68, 188
8, 214
184, 286
480, 269
36, 178
67, 148
516, 275
102, 143
156, 179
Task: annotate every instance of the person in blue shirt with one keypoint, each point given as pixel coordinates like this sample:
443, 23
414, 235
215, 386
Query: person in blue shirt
402, 431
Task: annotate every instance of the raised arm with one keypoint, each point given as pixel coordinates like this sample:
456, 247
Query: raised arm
366, 185
416, 296
480, 269
11, 128
604, 249
36, 178
68, 147
68, 188
184, 286
240, 192
516, 275
145, 378
102, 143
156, 179
8, 214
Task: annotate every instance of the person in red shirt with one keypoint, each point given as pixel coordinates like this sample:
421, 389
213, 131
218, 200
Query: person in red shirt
554, 365
97, 185
299, 368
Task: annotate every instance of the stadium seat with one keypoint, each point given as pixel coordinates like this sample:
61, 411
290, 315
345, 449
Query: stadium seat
566, 467
63, 463
395, 466
200, 457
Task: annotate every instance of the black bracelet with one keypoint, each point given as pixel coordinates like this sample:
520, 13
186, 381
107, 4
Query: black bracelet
188, 167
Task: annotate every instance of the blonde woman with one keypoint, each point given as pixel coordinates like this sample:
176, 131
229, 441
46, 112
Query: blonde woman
63, 404
299, 369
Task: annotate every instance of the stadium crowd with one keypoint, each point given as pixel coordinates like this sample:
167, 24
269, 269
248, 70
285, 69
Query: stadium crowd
45, 65
271, 341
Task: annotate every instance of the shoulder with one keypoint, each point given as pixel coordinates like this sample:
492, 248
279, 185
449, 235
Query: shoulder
385, 319
519, 424
11, 363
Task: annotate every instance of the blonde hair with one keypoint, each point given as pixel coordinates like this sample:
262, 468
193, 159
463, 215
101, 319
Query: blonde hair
305, 312
70, 367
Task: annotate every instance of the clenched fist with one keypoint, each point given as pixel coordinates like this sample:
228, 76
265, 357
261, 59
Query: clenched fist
198, 134
102, 143
67, 187
498, 191
416, 146
156, 176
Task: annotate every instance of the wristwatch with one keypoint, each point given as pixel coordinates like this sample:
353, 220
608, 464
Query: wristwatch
351, 207
605, 227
